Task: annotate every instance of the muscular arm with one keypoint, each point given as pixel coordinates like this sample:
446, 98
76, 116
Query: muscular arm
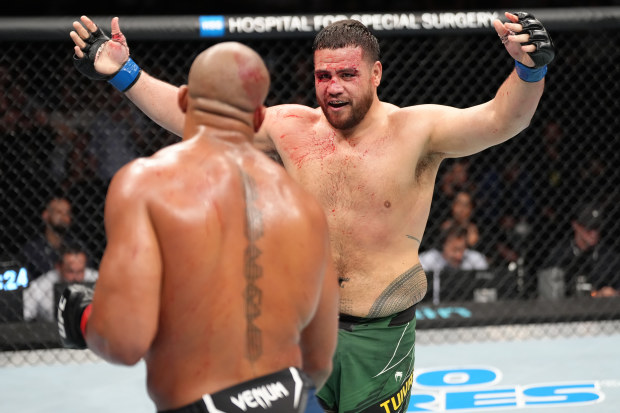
460, 132
318, 339
158, 100
125, 307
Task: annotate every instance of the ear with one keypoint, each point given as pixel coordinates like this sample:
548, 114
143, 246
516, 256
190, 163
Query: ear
259, 117
377, 72
182, 98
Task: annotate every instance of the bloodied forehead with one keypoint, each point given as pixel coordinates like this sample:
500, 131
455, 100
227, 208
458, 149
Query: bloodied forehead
339, 59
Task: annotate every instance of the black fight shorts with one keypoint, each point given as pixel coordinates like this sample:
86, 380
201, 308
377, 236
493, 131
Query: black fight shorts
285, 391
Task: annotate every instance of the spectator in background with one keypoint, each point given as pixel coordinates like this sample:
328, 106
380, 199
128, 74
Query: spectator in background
582, 264
462, 210
453, 253
456, 178
453, 177
39, 297
451, 256
41, 253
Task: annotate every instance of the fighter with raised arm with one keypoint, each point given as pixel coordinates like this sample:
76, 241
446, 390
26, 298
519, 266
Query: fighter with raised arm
217, 271
372, 166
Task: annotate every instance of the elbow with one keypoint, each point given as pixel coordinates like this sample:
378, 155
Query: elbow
511, 130
525, 123
116, 349
318, 370
127, 357
119, 340
122, 354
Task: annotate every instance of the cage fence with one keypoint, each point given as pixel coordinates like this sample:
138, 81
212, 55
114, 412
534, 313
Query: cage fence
65, 135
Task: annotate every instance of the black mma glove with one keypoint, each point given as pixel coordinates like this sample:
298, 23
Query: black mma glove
122, 80
72, 308
545, 50
86, 65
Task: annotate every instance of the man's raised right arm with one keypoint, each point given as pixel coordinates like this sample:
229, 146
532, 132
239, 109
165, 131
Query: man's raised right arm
101, 58
158, 100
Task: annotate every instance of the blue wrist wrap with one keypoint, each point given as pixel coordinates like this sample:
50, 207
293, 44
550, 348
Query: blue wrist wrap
127, 76
530, 74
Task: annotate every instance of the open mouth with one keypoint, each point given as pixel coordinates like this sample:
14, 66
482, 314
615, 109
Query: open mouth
337, 103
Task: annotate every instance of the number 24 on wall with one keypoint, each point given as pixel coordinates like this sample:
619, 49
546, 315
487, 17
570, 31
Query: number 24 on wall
12, 280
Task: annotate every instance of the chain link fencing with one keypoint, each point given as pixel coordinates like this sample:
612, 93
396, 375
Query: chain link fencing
65, 136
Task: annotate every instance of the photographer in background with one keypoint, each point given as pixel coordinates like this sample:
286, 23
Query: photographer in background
583, 264
39, 298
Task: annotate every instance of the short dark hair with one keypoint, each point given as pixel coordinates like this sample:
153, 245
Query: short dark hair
590, 216
53, 196
456, 231
347, 33
70, 248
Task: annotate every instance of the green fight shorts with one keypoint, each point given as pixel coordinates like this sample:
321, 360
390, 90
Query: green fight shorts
373, 365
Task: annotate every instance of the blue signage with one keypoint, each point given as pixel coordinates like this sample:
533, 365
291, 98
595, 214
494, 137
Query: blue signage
13, 279
473, 389
427, 313
212, 26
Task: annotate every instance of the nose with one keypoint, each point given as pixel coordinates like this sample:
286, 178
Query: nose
334, 87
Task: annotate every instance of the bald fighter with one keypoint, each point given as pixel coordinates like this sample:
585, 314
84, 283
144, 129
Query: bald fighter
217, 271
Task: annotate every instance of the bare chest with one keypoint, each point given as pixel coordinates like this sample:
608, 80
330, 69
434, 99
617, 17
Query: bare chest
348, 175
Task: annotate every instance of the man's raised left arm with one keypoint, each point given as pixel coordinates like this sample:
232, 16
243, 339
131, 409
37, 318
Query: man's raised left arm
462, 132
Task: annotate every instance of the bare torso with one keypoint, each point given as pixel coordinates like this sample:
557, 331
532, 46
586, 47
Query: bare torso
375, 188
243, 279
